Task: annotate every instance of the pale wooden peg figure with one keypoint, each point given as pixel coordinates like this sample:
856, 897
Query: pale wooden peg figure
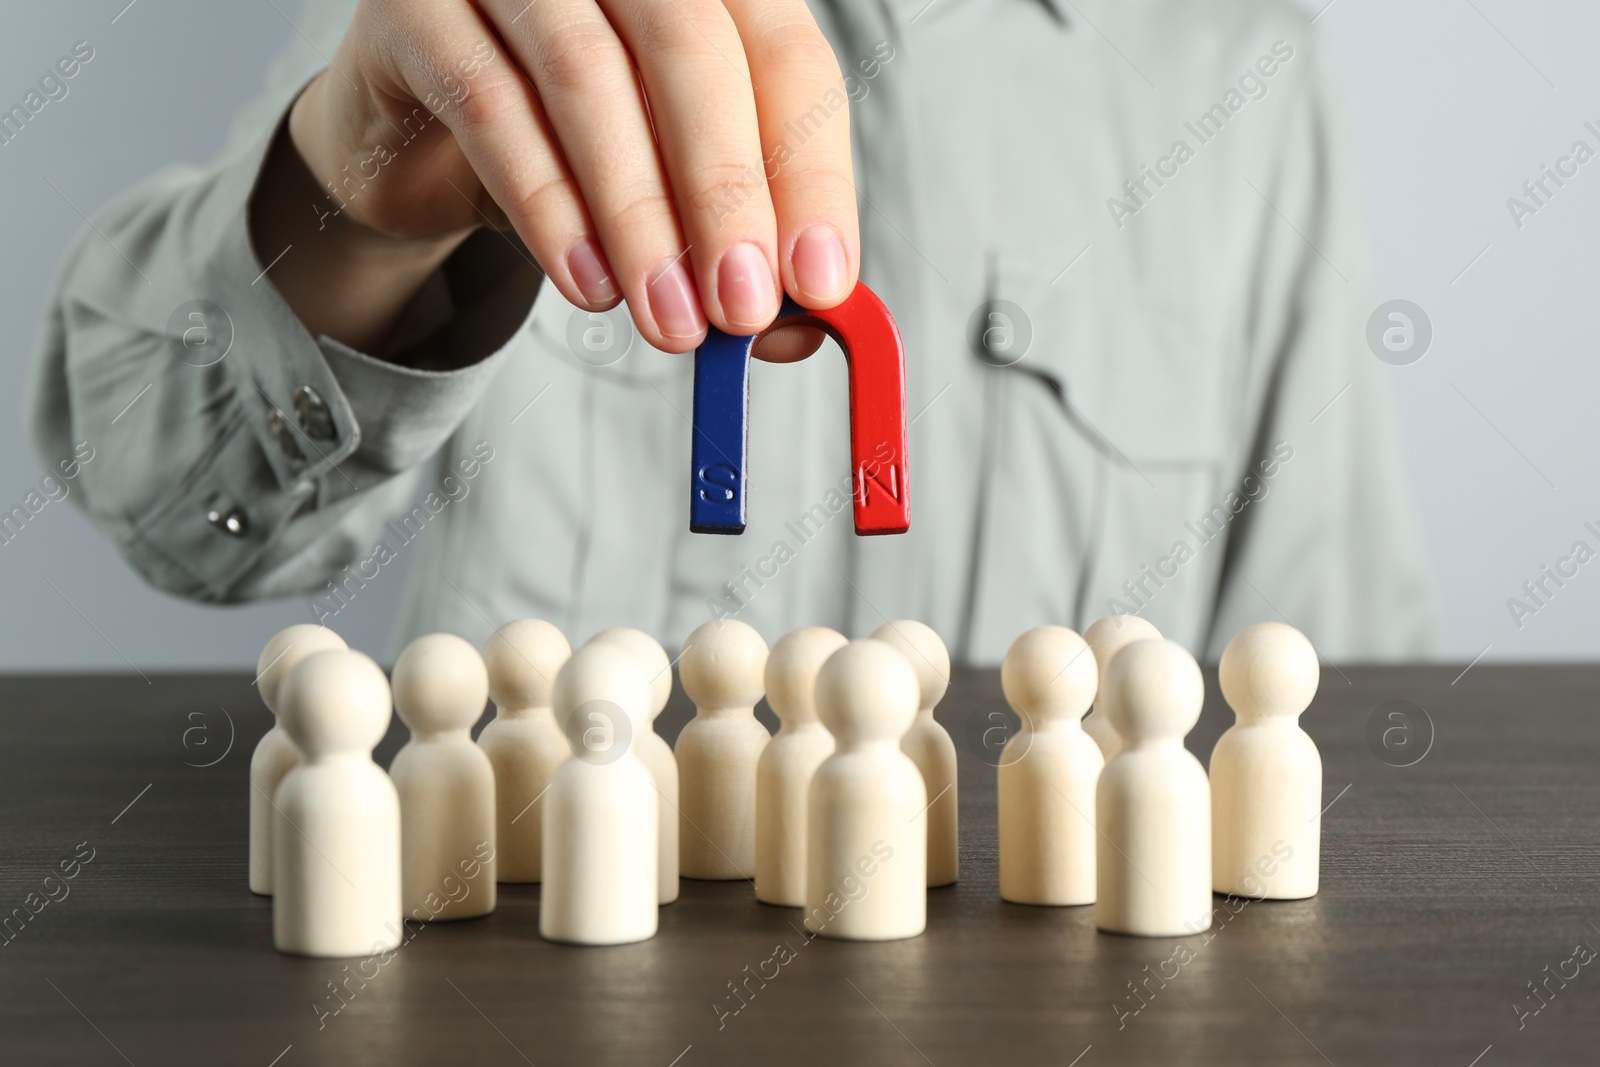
275, 754
336, 848
1048, 771
654, 750
523, 741
1106, 637
783, 774
721, 669
445, 782
1266, 773
1152, 806
600, 873
866, 849
929, 745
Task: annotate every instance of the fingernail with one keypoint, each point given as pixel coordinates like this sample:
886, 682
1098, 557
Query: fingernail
819, 264
673, 301
588, 269
745, 287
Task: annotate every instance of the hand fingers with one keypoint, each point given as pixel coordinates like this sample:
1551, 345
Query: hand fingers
693, 67
750, 184
590, 90
459, 72
804, 116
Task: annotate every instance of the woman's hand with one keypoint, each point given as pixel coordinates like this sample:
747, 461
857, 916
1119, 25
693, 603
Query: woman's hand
644, 150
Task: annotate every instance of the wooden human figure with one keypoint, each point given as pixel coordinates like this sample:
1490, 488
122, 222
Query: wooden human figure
445, 782
866, 850
653, 749
1106, 637
275, 754
1048, 771
1266, 773
336, 845
783, 774
523, 741
1152, 806
721, 669
929, 745
600, 872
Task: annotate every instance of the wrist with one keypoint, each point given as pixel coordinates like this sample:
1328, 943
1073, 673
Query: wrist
345, 175
342, 277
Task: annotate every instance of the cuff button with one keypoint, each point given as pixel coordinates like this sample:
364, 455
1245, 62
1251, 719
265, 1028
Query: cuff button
285, 436
312, 411
231, 522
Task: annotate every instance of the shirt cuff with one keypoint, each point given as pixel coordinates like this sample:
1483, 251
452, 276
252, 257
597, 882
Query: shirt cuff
325, 413
316, 421
444, 352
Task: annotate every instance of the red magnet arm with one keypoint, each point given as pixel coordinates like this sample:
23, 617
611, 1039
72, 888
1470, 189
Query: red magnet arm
877, 360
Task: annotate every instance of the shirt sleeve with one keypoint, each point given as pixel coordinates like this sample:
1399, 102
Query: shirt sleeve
1333, 546
235, 456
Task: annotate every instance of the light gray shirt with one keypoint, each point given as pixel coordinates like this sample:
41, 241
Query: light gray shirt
1128, 261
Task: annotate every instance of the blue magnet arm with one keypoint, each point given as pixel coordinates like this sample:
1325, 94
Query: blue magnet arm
721, 449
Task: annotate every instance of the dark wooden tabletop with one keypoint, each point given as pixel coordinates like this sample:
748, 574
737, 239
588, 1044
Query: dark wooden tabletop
1461, 847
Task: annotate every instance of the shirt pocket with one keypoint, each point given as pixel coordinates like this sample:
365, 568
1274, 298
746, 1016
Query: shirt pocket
1137, 392
1134, 370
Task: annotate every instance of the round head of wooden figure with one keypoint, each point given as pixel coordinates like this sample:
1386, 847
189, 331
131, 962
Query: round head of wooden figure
335, 703
601, 701
1269, 670
1049, 675
867, 693
1110, 635
286, 649
722, 665
651, 658
523, 658
792, 668
1153, 692
440, 684
923, 649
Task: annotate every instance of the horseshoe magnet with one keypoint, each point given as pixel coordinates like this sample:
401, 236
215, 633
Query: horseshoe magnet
877, 365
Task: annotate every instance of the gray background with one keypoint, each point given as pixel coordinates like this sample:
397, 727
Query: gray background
1456, 104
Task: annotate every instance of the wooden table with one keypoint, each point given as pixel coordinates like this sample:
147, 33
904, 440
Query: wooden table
1447, 887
